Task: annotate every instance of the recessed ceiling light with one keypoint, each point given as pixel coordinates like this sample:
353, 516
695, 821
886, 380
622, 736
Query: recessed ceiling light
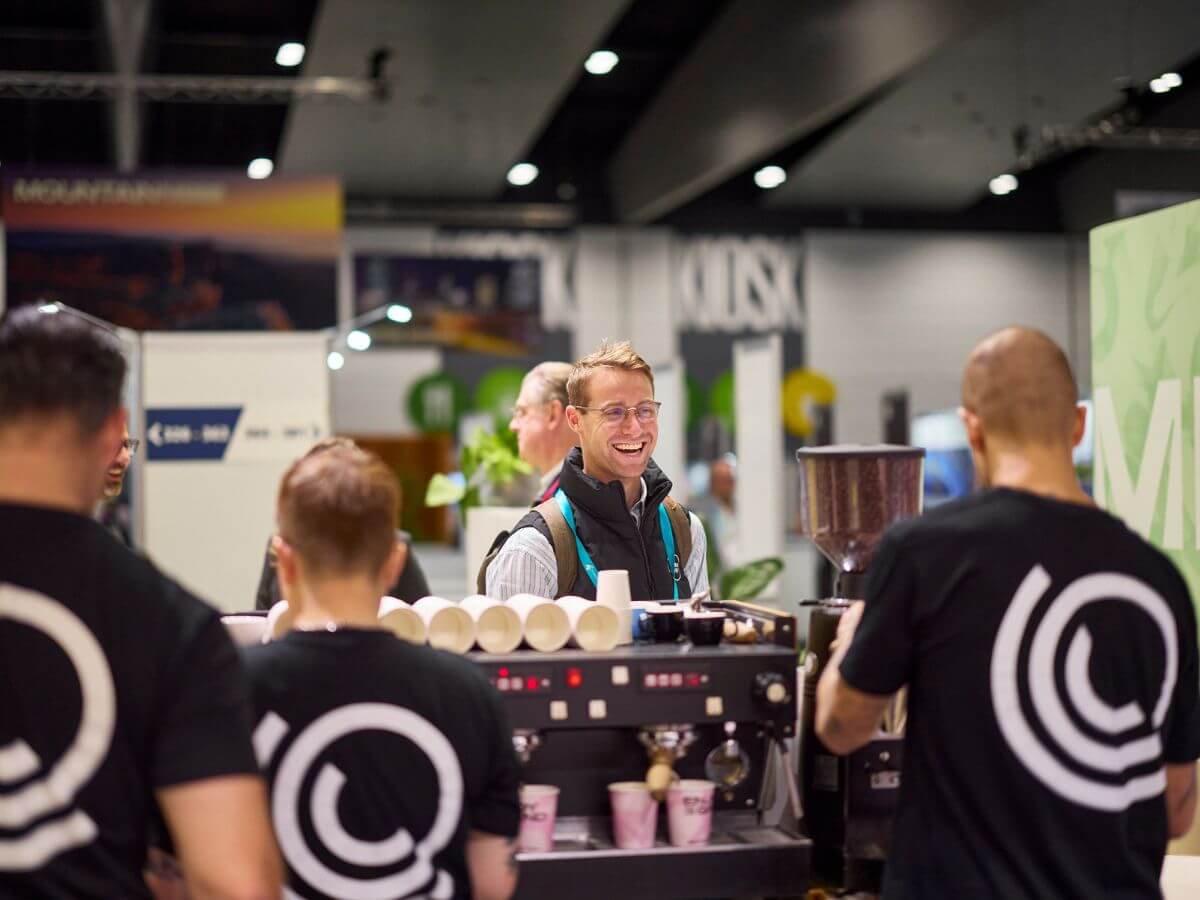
1158, 86
769, 177
1003, 184
358, 340
289, 54
260, 168
1171, 79
522, 174
601, 62
400, 313
335, 360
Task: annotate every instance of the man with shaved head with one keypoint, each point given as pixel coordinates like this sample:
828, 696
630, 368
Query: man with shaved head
1050, 657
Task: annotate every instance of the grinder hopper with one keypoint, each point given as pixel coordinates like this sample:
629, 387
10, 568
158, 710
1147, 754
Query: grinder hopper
849, 495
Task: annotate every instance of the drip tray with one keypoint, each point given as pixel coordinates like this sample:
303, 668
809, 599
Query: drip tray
742, 859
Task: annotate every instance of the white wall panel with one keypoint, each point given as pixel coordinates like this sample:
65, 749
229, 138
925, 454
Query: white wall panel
889, 311
207, 521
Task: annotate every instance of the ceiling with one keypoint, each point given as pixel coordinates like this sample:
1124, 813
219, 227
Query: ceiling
890, 113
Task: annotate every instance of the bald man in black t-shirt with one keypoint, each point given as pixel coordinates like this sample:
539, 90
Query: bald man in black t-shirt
1051, 661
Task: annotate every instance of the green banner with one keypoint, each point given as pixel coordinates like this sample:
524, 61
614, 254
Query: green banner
1146, 377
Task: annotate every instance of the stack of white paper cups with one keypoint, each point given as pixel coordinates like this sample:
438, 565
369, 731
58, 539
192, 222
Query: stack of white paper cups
448, 626
497, 627
612, 590
401, 620
593, 625
544, 624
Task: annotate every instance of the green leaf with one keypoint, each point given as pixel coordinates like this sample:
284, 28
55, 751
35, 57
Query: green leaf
749, 580
443, 491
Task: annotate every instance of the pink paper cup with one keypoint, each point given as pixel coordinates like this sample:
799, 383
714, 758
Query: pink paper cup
539, 806
689, 812
635, 814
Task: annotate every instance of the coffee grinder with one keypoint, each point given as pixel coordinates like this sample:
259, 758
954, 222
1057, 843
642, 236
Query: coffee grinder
849, 495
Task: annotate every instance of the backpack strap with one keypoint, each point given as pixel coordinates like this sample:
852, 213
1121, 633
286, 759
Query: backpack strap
681, 524
563, 543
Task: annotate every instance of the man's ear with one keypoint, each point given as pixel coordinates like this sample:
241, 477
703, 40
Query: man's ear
974, 428
574, 419
394, 566
112, 433
285, 560
557, 412
1080, 427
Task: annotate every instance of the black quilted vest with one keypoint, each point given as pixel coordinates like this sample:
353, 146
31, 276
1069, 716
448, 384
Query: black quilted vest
612, 537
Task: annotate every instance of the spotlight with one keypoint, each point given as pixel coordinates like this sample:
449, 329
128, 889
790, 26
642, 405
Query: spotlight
769, 177
522, 174
1003, 184
335, 360
1171, 80
601, 62
358, 340
260, 168
289, 54
399, 313
48, 309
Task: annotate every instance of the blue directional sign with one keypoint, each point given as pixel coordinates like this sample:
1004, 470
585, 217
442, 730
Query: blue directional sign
190, 433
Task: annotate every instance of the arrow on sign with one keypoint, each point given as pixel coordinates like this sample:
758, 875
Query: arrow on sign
155, 434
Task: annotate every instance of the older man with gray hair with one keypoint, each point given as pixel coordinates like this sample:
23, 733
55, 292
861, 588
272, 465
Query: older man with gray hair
544, 437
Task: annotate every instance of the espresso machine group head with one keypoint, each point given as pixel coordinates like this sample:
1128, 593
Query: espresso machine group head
849, 496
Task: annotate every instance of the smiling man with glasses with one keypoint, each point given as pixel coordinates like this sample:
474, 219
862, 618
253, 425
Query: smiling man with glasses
611, 496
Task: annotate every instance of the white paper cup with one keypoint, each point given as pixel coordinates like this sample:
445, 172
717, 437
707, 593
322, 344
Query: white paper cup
448, 626
246, 631
612, 590
635, 814
539, 806
497, 627
401, 620
593, 626
689, 812
279, 622
544, 624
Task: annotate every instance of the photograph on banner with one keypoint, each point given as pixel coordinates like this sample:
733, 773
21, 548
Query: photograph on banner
484, 305
214, 252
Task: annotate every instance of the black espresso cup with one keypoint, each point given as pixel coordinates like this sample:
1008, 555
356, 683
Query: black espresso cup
704, 629
665, 623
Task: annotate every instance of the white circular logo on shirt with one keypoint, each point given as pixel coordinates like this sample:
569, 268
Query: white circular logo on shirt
1113, 758
50, 795
293, 772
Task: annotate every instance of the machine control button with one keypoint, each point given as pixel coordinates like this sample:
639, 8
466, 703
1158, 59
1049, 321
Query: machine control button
502, 684
620, 675
558, 710
597, 709
714, 706
772, 688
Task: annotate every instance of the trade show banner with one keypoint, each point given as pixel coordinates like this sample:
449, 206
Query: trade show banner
175, 251
224, 415
1146, 378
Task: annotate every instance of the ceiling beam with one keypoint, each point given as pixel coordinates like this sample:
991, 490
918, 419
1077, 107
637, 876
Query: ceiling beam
767, 73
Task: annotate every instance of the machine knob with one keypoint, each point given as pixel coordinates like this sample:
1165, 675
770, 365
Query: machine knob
772, 688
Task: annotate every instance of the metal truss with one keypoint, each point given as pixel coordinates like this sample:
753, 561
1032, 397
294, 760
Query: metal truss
190, 88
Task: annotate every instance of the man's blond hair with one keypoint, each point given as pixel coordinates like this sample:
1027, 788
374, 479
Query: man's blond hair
610, 356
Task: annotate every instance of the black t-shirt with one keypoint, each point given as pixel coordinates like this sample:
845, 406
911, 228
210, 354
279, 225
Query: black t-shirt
1050, 655
114, 682
382, 756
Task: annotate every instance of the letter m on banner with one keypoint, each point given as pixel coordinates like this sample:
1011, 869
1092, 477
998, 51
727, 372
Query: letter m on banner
1135, 497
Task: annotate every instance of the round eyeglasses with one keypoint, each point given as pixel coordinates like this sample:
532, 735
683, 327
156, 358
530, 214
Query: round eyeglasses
645, 413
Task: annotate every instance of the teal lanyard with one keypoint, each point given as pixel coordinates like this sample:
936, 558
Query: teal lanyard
585, 558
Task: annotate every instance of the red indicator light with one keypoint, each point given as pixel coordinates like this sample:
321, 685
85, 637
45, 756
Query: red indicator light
531, 683
504, 672
693, 680
574, 678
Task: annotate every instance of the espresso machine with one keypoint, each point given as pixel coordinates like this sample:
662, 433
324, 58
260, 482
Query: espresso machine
648, 712
849, 495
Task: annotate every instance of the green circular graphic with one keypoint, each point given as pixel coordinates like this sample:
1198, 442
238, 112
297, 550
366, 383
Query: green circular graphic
436, 402
720, 399
497, 393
